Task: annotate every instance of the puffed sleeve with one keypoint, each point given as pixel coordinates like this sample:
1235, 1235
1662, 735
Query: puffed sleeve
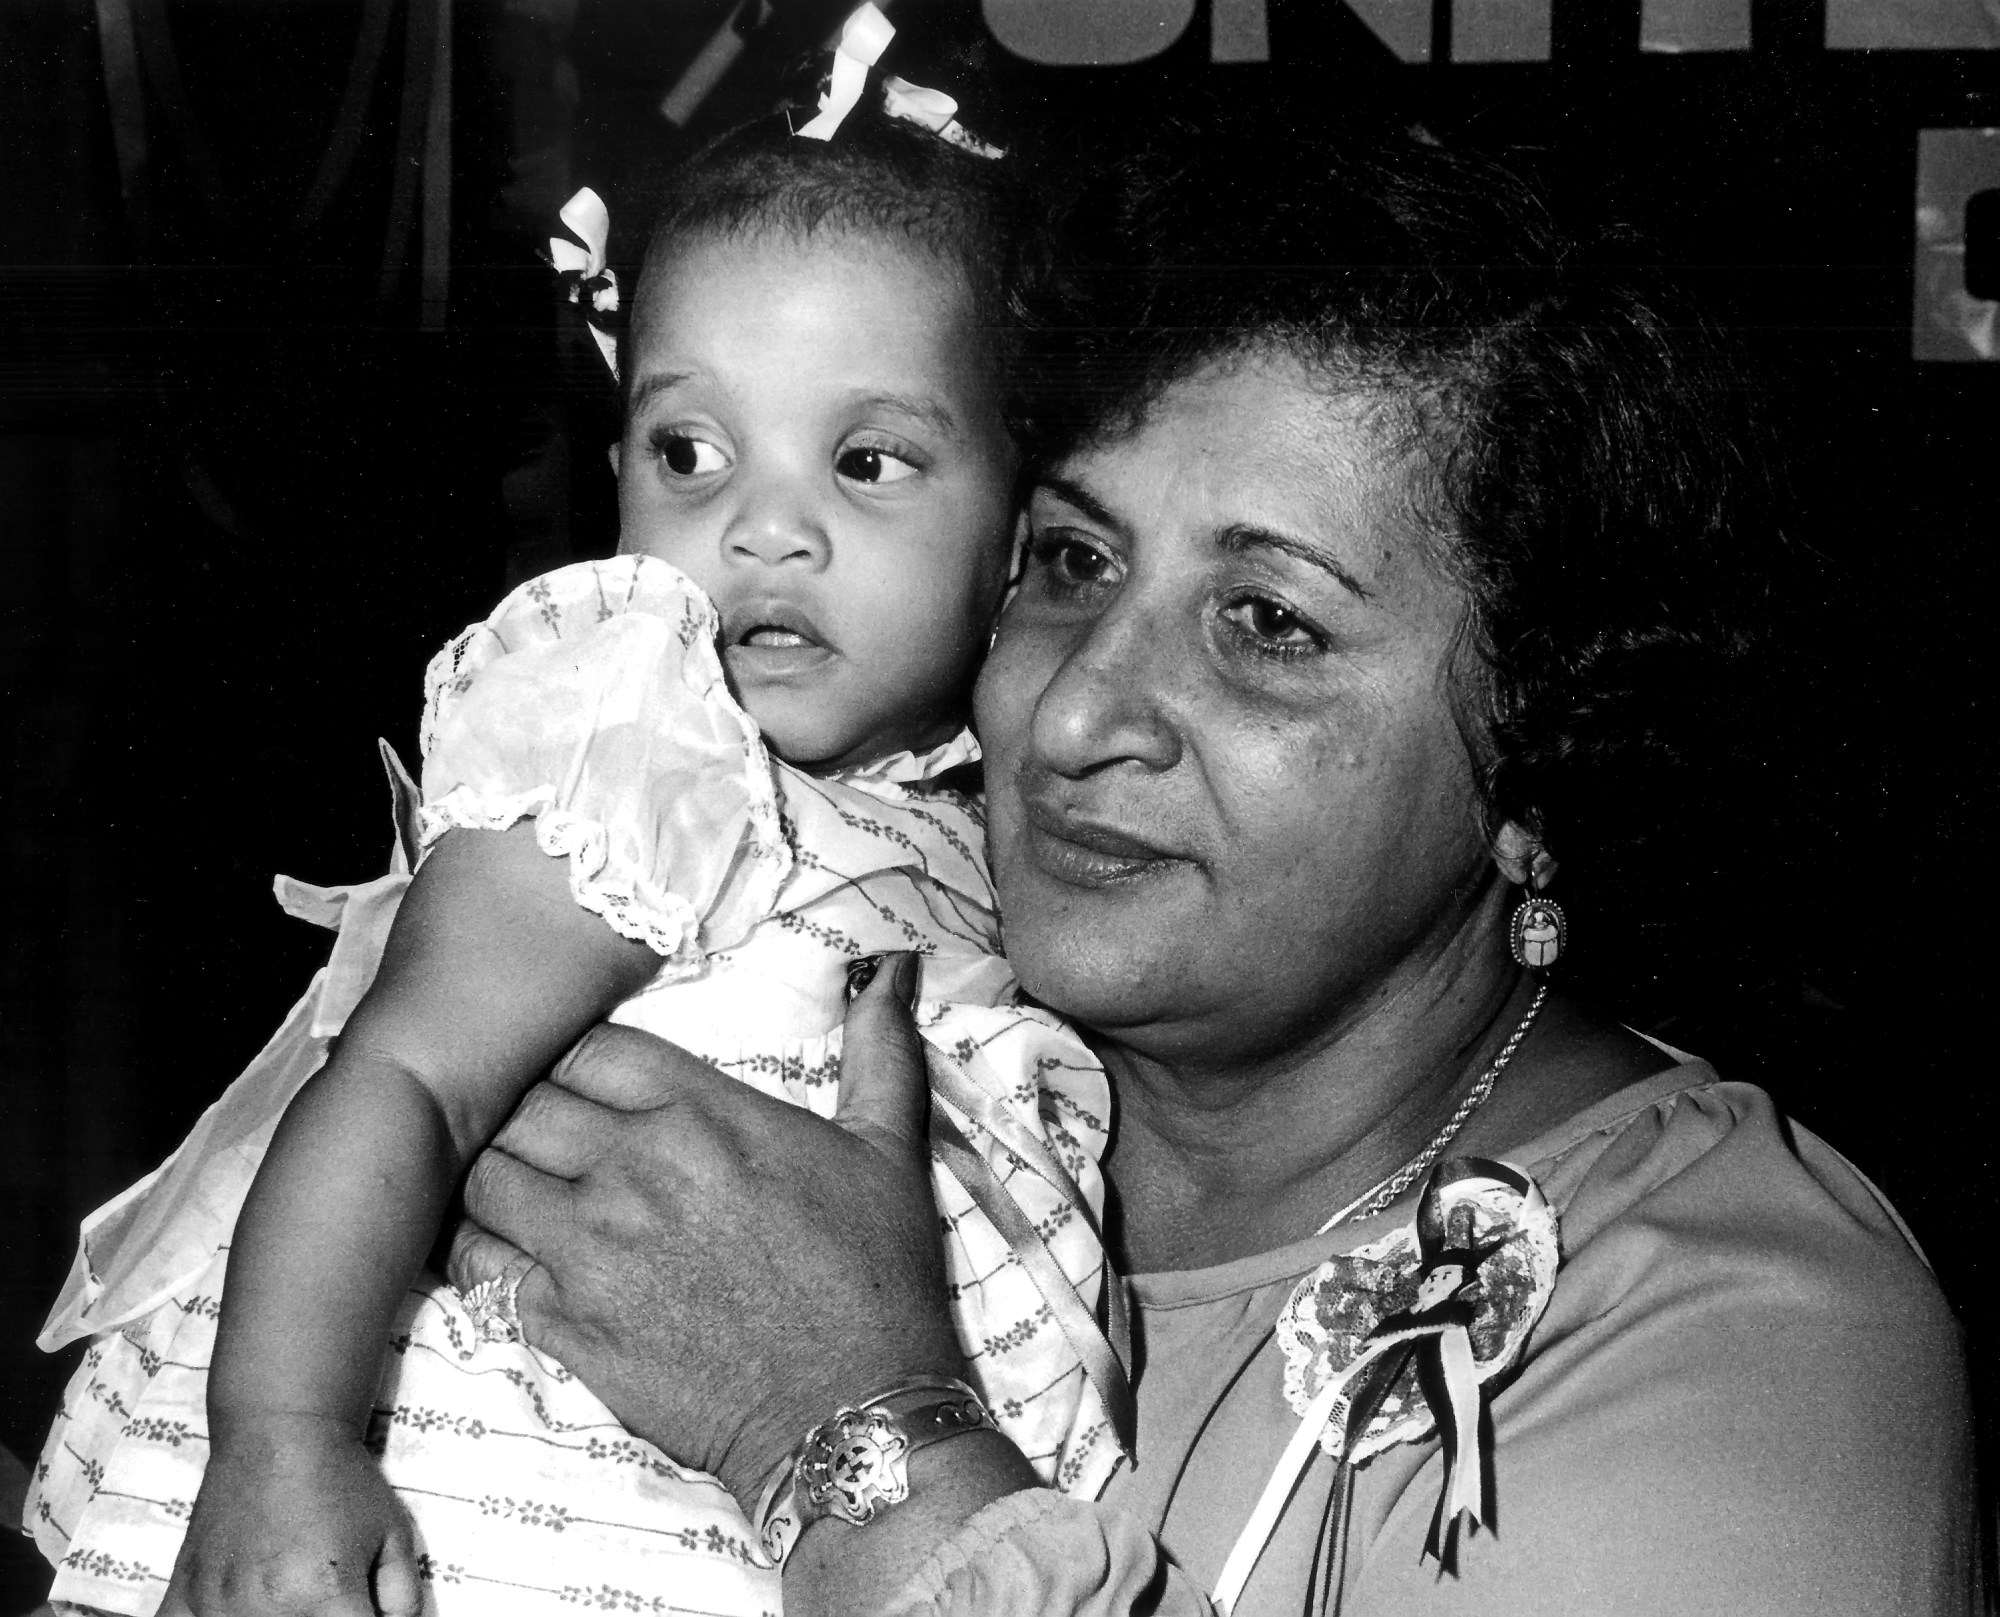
1041, 1554
592, 701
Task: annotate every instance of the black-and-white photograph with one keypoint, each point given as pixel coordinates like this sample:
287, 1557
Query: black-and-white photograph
999, 808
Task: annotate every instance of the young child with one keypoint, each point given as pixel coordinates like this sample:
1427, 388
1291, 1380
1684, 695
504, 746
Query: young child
816, 504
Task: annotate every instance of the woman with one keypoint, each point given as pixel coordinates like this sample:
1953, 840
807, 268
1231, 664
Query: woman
1356, 599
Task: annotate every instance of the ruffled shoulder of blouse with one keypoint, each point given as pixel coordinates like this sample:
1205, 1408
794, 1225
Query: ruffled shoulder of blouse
914, 768
592, 702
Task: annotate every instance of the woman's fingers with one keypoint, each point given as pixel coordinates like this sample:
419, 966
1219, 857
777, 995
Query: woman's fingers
681, 1243
479, 1256
517, 1202
625, 1068
557, 1131
499, 1284
884, 1091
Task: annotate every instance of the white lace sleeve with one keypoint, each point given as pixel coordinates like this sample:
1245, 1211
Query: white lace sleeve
593, 702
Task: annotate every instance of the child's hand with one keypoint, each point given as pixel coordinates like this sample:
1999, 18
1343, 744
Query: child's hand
294, 1519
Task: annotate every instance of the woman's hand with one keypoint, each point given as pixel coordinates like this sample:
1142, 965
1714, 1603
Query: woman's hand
294, 1519
721, 1268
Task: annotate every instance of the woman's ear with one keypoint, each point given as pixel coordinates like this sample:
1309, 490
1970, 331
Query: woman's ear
1519, 854
615, 453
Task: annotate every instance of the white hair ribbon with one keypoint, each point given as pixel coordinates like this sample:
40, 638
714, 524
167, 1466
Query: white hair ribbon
863, 38
932, 110
584, 267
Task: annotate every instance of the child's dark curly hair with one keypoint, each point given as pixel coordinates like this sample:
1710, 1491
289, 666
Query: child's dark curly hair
880, 177
1580, 443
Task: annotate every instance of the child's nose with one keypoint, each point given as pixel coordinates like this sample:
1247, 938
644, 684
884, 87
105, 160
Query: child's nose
777, 526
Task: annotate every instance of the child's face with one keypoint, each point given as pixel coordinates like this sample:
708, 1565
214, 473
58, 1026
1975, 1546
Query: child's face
814, 438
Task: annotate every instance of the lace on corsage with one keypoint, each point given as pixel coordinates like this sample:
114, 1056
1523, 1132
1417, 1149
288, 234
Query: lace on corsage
1397, 1340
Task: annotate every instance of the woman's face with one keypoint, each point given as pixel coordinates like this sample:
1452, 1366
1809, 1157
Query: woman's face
1227, 798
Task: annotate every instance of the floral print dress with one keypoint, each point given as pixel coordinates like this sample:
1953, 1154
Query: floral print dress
592, 702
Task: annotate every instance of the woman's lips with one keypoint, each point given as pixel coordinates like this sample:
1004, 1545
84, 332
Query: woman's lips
1089, 853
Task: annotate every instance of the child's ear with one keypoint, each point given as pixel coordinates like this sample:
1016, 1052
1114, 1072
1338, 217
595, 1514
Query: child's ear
615, 453
1017, 557
1017, 553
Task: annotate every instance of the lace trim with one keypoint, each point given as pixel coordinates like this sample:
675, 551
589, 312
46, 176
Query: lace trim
566, 604
445, 679
667, 923
908, 768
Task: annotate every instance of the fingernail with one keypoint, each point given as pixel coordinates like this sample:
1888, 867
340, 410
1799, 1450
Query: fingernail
909, 978
860, 973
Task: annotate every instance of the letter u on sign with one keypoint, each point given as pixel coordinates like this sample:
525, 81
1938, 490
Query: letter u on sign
1087, 33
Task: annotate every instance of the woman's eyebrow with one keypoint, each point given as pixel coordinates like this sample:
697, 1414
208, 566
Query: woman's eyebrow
1240, 536
1077, 495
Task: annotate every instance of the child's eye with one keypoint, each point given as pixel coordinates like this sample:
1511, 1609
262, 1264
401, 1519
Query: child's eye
867, 464
1273, 626
685, 456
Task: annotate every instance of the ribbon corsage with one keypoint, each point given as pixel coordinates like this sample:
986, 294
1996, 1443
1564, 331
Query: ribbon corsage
1398, 1339
593, 287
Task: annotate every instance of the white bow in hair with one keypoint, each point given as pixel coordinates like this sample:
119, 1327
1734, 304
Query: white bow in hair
584, 267
863, 38
935, 111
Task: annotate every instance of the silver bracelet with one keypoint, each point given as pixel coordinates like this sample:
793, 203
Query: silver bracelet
856, 1462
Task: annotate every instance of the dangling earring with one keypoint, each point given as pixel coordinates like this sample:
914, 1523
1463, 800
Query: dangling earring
1538, 933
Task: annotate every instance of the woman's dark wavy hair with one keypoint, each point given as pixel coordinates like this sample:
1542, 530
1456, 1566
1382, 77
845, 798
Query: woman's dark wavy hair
1581, 447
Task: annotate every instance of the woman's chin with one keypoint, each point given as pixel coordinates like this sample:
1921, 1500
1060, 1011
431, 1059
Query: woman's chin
1092, 977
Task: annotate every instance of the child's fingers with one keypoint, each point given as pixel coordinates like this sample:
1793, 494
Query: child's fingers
399, 1591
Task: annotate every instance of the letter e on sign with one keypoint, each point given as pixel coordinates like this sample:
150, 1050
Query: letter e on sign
1957, 312
1087, 33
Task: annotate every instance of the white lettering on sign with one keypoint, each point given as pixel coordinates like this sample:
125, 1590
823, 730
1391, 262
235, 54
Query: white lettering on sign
1911, 25
1238, 31
1681, 27
1500, 31
1112, 33
1087, 33
1403, 25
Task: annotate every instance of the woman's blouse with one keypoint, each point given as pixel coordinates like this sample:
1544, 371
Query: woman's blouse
1747, 1396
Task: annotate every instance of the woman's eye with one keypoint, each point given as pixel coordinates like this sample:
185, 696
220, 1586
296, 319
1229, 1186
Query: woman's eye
868, 465
688, 457
1276, 626
1068, 563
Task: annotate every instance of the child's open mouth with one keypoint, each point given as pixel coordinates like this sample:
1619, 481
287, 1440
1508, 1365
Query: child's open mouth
773, 640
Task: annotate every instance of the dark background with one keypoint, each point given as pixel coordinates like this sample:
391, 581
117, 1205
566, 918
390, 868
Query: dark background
246, 490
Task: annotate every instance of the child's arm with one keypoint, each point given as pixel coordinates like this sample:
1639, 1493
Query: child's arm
491, 972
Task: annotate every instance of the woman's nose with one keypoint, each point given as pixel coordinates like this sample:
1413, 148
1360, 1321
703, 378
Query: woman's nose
777, 525
1109, 701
